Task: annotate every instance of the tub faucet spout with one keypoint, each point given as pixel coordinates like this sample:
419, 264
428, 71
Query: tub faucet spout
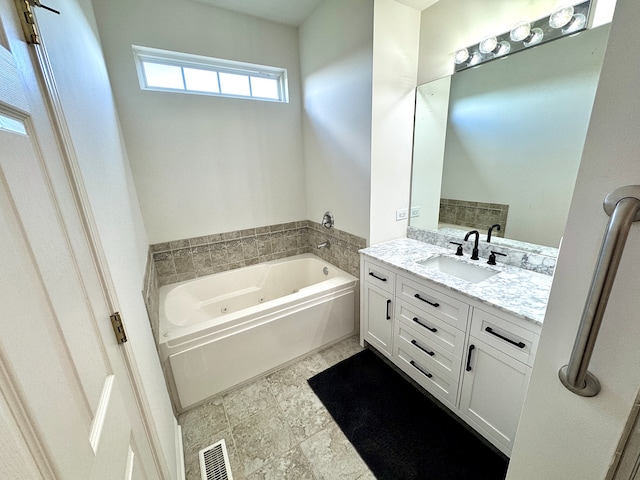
324, 245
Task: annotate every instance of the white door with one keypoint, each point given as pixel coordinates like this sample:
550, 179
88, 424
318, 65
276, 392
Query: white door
62, 377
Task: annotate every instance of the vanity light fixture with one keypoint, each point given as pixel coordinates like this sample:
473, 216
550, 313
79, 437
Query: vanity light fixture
563, 21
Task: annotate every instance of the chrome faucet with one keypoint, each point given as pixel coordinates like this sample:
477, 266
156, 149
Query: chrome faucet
324, 245
496, 226
474, 252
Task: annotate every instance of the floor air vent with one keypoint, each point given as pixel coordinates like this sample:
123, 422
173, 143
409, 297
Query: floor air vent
214, 462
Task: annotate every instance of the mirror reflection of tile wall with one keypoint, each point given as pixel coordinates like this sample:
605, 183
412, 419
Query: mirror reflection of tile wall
474, 215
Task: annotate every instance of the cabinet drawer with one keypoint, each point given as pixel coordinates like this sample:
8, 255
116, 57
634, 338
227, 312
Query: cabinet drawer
442, 387
508, 337
379, 276
433, 302
431, 328
427, 353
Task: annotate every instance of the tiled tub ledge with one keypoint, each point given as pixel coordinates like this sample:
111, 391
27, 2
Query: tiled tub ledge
190, 258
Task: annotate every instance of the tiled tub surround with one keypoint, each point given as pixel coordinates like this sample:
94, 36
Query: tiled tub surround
151, 295
190, 258
536, 258
479, 214
514, 290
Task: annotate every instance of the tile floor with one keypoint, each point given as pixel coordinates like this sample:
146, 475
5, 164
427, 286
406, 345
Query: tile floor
276, 428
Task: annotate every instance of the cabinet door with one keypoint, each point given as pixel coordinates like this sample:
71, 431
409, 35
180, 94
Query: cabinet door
494, 386
378, 318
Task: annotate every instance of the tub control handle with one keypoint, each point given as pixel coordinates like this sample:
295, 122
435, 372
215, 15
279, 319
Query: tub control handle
415, 365
431, 329
388, 305
428, 352
433, 304
382, 279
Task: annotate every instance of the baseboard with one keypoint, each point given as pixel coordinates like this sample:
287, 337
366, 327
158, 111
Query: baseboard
179, 452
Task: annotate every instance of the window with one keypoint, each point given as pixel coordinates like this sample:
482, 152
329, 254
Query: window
181, 72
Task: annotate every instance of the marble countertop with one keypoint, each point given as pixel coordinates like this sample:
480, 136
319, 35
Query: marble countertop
514, 290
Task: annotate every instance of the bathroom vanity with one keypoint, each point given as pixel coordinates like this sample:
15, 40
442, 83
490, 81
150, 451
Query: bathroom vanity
465, 331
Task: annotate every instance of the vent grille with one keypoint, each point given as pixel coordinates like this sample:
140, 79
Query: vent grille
214, 462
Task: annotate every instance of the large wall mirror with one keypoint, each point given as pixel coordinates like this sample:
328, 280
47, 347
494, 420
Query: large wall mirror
515, 130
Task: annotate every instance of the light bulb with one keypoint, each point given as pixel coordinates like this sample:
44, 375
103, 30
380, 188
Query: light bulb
578, 21
475, 59
461, 56
503, 48
488, 45
520, 31
534, 37
560, 17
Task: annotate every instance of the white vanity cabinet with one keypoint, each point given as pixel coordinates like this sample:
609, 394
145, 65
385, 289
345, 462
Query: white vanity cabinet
429, 333
499, 356
377, 306
473, 358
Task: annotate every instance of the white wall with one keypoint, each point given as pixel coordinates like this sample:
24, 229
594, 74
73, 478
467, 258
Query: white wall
206, 164
336, 66
563, 435
86, 97
396, 32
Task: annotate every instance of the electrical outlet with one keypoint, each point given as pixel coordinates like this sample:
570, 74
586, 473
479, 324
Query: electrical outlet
415, 212
401, 214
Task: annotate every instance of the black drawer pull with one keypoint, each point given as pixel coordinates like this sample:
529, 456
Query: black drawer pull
382, 279
413, 342
431, 329
517, 344
415, 365
417, 295
471, 349
388, 303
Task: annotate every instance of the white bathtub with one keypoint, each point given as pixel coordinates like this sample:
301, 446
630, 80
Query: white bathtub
224, 329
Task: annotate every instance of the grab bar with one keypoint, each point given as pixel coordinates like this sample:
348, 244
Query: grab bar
623, 206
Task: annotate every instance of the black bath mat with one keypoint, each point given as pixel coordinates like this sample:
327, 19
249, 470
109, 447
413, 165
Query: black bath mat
399, 432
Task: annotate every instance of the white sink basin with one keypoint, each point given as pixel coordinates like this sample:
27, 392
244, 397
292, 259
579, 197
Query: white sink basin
462, 270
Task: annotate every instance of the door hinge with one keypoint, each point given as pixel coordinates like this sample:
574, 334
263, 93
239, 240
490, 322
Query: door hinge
28, 21
118, 328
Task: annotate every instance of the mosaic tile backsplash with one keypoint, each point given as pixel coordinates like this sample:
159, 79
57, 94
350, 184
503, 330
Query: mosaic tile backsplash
474, 214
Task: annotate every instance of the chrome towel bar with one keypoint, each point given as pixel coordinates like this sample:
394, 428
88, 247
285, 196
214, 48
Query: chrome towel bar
623, 206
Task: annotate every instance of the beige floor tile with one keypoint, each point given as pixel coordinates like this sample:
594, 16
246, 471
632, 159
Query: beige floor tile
305, 413
262, 438
341, 350
331, 455
276, 428
248, 400
202, 423
292, 465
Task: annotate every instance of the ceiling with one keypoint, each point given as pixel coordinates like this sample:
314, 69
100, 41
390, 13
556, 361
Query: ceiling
289, 12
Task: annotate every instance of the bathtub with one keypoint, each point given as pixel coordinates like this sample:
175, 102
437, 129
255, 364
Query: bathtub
224, 329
